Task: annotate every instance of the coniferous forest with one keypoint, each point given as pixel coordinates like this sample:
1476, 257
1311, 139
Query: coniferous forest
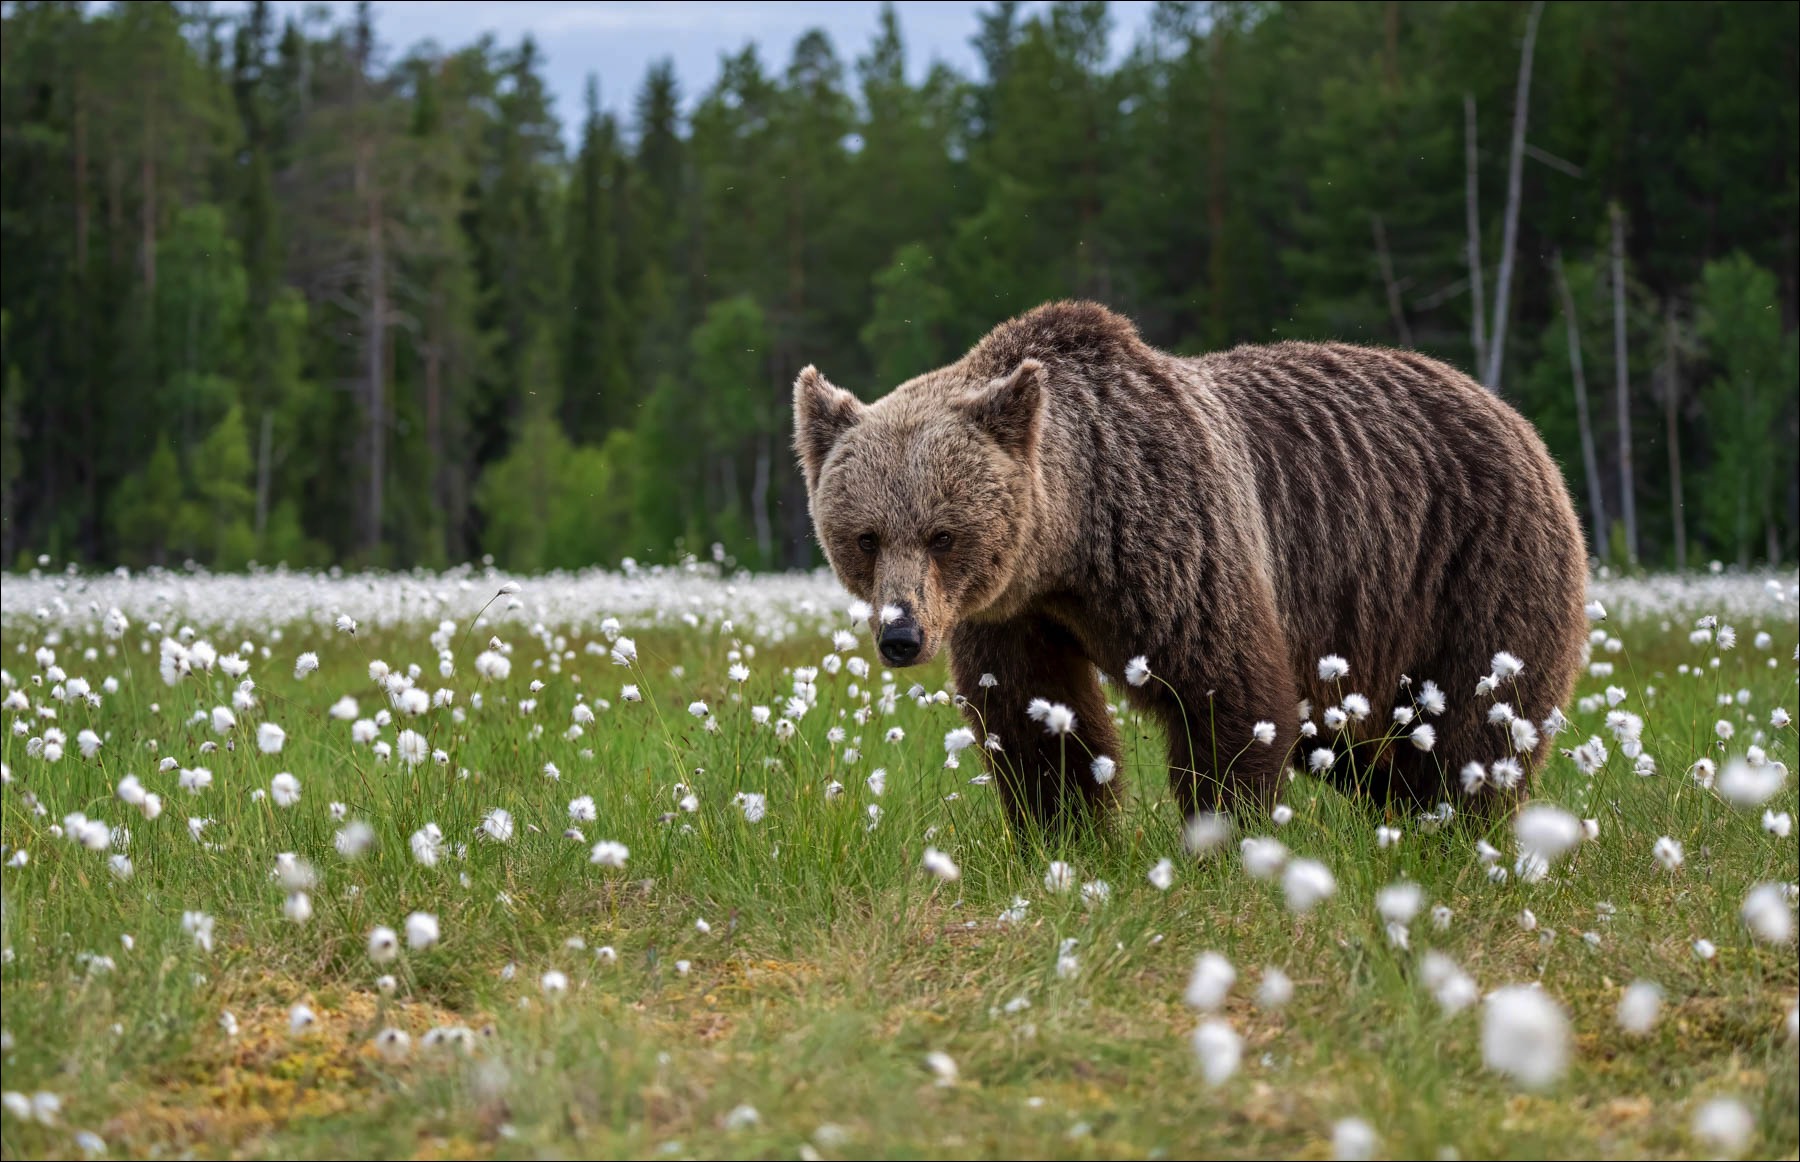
277, 291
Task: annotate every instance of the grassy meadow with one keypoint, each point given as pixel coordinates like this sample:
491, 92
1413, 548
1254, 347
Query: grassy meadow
406, 927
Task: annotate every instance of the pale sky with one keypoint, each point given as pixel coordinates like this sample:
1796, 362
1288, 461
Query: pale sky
618, 40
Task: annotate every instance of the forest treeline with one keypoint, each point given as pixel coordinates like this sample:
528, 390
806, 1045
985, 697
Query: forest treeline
273, 292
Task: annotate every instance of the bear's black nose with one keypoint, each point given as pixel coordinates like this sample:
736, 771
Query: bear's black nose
901, 641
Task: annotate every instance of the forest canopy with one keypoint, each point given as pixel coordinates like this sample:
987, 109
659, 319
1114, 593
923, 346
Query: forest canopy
272, 292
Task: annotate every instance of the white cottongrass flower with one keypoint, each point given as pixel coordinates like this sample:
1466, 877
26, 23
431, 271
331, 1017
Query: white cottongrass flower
284, 789
223, 720
582, 810
1059, 878
298, 907
1525, 1035
1263, 856
1452, 988
1137, 670
1639, 1007
624, 652
1352, 1140
754, 805
1399, 902
1667, 852
412, 747
891, 613
305, 664
393, 1044
1162, 875
1705, 949
1305, 883
421, 931
497, 825
941, 865
959, 739
301, 1020
1745, 785
1276, 989
1210, 982
554, 983
1218, 1049
353, 839
194, 780
942, 1066
1423, 736
1263, 732
1767, 915
1057, 718
199, 925
877, 781
1205, 833
1725, 1125
1780, 826
1103, 768
609, 853
384, 945
1333, 668
1546, 831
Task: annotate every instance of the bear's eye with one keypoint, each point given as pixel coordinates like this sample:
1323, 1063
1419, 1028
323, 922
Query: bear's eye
941, 542
866, 542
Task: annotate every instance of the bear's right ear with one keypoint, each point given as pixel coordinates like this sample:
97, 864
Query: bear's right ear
822, 414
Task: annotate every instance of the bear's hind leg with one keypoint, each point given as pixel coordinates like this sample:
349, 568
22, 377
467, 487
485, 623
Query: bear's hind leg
1045, 779
1217, 762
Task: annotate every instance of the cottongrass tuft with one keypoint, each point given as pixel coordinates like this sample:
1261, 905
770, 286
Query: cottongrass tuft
1525, 1035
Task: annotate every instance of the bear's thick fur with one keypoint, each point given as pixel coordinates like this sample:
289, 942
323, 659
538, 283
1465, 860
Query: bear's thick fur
1066, 498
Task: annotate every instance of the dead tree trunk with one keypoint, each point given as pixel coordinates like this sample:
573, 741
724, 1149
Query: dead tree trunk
1672, 430
1509, 235
1385, 259
1472, 208
1622, 387
1590, 459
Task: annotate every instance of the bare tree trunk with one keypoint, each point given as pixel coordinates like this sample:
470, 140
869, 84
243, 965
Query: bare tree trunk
1509, 235
1672, 429
1472, 207
1590, 459
1622, 387
264, 450
1385, 259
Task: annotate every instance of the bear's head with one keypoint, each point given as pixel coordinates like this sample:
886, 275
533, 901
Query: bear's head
924, 500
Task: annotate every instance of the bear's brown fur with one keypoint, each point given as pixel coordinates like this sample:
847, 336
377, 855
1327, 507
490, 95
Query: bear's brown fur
1066, 497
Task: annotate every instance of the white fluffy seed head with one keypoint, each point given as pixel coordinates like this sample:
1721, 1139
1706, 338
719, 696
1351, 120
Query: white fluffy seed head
1525, 1035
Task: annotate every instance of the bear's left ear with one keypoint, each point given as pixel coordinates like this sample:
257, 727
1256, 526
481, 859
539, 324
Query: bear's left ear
1010, 409
823, 412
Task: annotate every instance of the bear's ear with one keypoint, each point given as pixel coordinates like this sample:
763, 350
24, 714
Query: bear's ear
822, 414
1010, 409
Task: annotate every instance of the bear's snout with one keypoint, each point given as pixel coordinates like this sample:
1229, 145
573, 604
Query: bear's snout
901, 641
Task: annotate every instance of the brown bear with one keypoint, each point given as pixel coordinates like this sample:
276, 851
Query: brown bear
1353, 559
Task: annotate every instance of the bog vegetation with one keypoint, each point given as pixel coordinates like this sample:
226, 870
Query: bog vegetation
274, 290
665, 863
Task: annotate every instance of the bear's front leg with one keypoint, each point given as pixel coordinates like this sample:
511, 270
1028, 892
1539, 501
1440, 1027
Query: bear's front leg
1045, 778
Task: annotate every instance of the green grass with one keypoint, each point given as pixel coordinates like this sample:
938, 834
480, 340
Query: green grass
834, 962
